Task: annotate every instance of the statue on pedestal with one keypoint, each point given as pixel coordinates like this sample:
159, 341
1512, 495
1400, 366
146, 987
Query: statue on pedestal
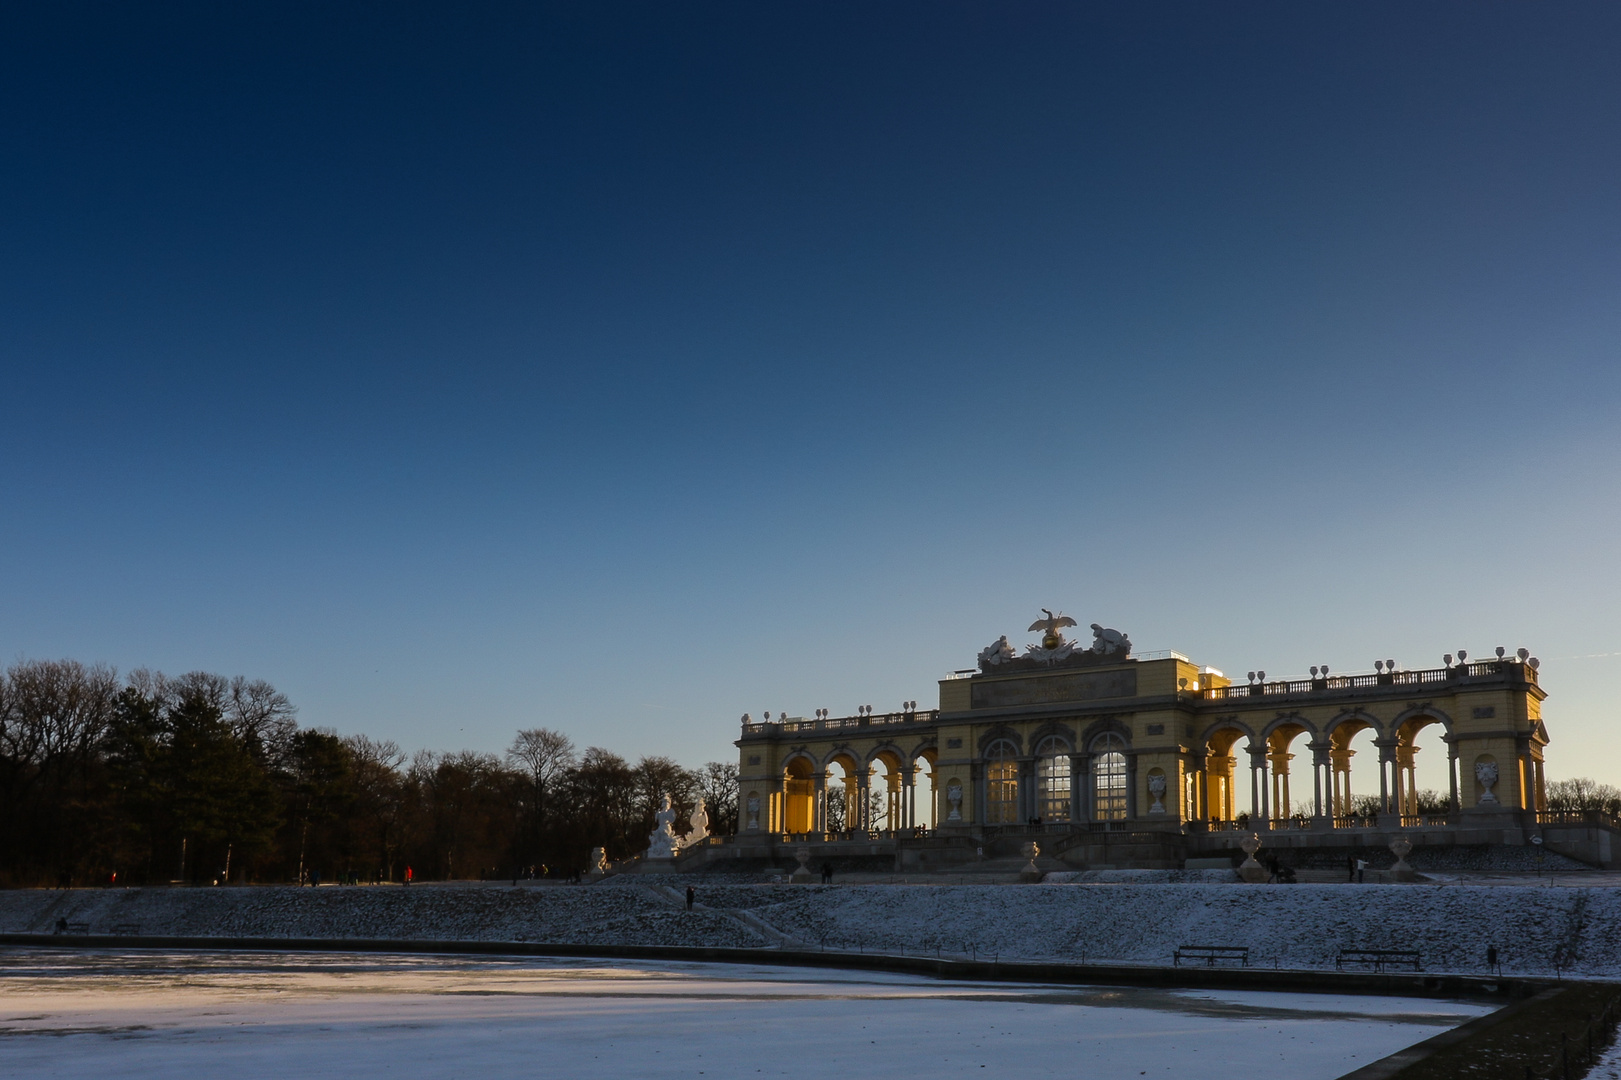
662, 842
699, 822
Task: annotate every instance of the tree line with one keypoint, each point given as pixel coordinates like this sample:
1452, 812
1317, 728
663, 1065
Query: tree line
151, 778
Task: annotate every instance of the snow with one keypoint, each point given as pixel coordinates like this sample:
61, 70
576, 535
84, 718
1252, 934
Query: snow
154, 1014
1534, 928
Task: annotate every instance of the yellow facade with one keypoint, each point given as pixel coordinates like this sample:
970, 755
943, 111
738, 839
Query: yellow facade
1151, 741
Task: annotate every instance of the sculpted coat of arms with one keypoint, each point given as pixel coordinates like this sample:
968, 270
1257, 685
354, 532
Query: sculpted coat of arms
1054, 649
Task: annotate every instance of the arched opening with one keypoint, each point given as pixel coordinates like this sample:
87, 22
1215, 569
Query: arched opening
841, 794
1221, 797
1109, 795
1053, 783
798, 797
1362, 799
1423, 782
1001, 783
924, 795
1284, 803
884, 810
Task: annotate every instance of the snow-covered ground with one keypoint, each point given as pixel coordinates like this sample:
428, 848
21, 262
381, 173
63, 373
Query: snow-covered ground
157, 1015
1536, 929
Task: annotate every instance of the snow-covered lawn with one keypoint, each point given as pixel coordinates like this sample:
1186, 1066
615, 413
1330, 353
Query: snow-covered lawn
138, 1015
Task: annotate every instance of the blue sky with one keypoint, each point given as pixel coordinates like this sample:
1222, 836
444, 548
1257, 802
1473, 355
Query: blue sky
625, 368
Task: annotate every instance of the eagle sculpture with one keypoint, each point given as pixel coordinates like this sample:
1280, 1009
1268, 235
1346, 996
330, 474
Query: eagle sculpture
1050, 637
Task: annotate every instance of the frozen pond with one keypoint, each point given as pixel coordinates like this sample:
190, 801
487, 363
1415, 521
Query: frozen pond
154, 1014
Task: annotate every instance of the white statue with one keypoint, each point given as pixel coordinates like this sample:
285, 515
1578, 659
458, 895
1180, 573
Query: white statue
700, 826
1107, 642
662, 842
599, 863
954, 797
1156, 788
997, 652
754, 811
1486, 773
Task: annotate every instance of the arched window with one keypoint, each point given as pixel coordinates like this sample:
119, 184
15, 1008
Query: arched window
1052, 779
1109, 777
1001, 784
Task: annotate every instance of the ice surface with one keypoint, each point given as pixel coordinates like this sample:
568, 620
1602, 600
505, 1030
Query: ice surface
110, 1014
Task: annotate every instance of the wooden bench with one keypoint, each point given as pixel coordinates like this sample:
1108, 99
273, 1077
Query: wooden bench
1380, 959
1210, 955
127, 929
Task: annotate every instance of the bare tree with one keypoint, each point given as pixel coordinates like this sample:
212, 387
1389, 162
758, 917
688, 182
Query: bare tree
717, 783
261, 716
542, 753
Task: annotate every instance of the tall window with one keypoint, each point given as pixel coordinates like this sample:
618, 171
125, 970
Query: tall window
1001, 784
1109, 777
1052, 780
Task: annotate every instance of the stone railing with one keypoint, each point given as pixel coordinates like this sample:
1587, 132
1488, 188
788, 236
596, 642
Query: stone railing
1428, 676
840, 723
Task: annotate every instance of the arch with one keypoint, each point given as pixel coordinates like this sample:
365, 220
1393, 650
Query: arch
1053, 780
1289, 720
799, 773
1357, 720
1110, 795
1215, 788
1000, 733
1279, 737
1054, 730
1405, 730
1001, 782
922, 795
1104, 725
841, 799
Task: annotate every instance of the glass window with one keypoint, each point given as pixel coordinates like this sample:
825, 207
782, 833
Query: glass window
1001, 784
1109, 777
1052, 780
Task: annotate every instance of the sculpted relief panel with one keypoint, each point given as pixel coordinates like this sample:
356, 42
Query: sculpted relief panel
1055, 689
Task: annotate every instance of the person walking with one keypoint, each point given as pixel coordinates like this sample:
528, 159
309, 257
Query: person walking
1361, 869
408, 875
691, 895
1350, 868
827, 872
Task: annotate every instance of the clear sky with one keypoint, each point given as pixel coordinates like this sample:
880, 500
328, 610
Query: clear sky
622, 369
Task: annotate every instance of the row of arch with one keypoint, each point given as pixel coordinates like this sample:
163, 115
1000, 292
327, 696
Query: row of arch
1212, 789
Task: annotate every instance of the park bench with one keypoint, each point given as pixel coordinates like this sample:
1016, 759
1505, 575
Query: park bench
127, 929
1210, 955
78, 928
1380, 959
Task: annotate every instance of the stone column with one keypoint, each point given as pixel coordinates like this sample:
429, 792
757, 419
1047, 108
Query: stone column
863, 816
819, 802
1131, 786
1452, 774
1540, 802
1077, 787
908, 788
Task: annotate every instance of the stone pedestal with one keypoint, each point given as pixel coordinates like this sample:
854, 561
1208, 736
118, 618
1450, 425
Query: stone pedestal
802, 873
1401, 847
1250, 870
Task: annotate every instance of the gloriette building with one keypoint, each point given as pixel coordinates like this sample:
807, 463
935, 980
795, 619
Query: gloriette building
1110, 758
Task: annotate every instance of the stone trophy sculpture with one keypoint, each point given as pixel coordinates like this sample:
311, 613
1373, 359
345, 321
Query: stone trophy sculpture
662, 842
1156, 788
1486, 773
699, 830
954, 797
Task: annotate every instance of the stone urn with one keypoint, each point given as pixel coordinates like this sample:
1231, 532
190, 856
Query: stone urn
802, 874
1401, 847
1250, 870
1030, 874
